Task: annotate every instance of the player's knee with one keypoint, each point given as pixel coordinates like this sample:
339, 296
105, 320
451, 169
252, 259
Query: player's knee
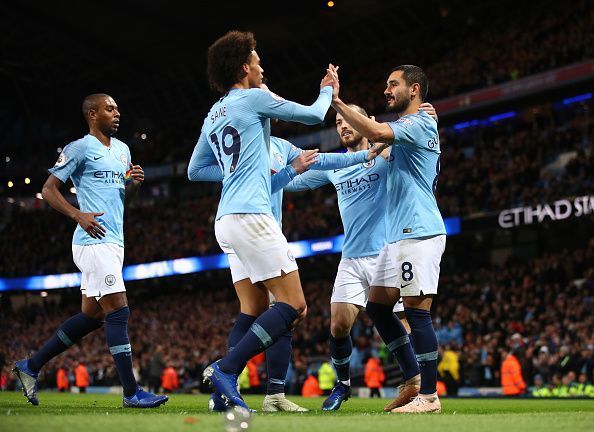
339, 328
301, 313
376, 310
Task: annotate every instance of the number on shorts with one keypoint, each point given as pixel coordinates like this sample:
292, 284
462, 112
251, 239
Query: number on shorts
233, 149
407, 273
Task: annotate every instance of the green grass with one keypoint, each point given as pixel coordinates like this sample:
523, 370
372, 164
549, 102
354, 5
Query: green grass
103, 413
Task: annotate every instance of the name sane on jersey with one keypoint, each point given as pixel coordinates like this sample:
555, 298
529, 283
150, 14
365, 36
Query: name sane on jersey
220, 113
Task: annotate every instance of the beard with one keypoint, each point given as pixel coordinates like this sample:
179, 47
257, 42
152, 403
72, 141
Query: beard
399, 106
351, 143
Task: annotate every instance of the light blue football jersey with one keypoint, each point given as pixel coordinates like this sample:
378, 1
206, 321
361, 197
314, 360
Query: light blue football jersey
412, 179
361, 191
98, 174
282, 154
236, 134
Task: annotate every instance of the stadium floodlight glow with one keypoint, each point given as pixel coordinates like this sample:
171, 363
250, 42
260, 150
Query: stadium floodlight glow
330, 4
300, 249
7, 159
143, 136
27, 180
502, 116
10, 184
59, 150
577, 98
38, 195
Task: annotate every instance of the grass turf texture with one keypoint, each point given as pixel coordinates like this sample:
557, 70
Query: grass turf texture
90, 412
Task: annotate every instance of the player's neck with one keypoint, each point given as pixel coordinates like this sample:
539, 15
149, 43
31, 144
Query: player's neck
363, 145
103, 139
243, 84
413, 108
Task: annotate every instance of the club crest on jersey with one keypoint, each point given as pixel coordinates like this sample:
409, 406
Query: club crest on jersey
369, 164
124, 160
404, 120
61, 160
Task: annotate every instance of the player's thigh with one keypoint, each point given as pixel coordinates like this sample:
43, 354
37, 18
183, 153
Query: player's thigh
113, 302
287, 289
91, 307
342, 318
253, 298
384, 295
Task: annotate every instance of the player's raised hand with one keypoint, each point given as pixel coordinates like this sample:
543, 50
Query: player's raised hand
333, 72
429, 109
137, 173
302, 162
91, 226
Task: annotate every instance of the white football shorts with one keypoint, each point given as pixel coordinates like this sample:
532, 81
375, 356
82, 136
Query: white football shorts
415, 266
259, 244
101, 268
354, 279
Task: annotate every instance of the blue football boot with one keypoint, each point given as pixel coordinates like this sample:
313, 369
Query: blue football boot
225, 384
28, 380
340, 393
216, 403
144, 399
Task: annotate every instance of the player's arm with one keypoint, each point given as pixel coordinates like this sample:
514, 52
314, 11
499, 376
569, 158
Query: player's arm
299, 164
203, 165
271, 105
133, 185
52, 195
308, 181
374, 131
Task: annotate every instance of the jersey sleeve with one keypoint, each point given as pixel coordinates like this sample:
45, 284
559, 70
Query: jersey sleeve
406, 130
270, 105
309, 180
332, 161
279, 180
69, 160
203, 164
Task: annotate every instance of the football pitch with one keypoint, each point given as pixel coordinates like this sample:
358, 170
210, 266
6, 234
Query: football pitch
91, 412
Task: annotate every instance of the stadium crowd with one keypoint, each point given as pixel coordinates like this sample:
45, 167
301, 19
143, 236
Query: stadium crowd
486, 168
541, 312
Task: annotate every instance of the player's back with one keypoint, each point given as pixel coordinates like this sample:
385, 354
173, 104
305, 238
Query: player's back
239, 138
412, 179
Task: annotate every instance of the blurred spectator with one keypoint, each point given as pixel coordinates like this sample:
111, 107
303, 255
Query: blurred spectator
169, 379
156, 368
82, 379
326, 377
449, 370
374, 376
511, 376
311, 387
62, 382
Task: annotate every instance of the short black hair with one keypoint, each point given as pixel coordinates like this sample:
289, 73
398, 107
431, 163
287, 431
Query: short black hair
414, 74
91, 102
226, 57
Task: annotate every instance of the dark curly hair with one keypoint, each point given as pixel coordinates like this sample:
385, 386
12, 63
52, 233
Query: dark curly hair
226, 57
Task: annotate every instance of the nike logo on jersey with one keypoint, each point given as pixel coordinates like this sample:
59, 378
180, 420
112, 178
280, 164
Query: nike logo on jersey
404, 286
97, 158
